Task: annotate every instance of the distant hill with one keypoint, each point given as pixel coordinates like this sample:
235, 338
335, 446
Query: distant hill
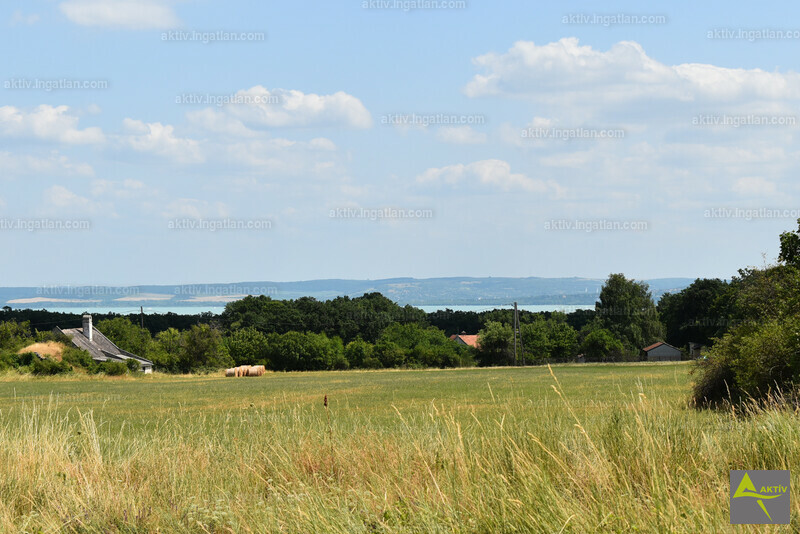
418, 292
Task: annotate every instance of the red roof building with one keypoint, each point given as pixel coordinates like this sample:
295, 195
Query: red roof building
466, 339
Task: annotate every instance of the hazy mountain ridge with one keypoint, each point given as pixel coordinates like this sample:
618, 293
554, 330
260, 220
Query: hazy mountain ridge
415, 291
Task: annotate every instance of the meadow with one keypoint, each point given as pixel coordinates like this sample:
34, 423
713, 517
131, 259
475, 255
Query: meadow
574, 448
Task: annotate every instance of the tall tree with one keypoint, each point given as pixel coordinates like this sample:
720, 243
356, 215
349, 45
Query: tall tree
690, 315
627, 310
790, 247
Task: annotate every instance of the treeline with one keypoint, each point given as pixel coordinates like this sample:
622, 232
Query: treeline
43, 320
374, 332
756, 319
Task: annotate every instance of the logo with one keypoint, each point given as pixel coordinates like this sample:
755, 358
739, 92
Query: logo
760, 497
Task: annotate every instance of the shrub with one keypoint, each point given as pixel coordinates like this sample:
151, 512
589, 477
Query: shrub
714, 382
50, 367
78, 358
26, 358
133, 365
112, 368
750, 361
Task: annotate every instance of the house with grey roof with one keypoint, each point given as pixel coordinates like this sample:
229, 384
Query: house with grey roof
662, 352
99, 346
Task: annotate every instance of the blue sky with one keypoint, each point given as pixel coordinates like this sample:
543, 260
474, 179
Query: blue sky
313, 167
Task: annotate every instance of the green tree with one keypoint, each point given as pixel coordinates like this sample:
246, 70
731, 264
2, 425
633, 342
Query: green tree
563, 340
790, 247
536, 339
601, 345
389, 353
627, 310
127, 336
691, 314
247, 346
496, 340
359, 355
14, 335
298, 351
202, 349
760, 353
167, 350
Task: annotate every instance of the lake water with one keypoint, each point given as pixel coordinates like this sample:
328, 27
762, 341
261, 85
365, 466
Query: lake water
526, 307
194, 310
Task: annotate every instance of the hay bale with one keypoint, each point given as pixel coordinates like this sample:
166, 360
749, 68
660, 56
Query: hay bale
255, 371
230, 372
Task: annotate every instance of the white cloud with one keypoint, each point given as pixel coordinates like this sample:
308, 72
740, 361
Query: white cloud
564, 69
54, 163
160, 139
127, 14
460, 135
754, 186
492, 172
192, 208
58, 200
19, 18
125, 189
276, 155
49, 123
218, 122
281, 108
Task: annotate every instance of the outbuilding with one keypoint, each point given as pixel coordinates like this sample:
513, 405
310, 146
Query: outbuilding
662, 352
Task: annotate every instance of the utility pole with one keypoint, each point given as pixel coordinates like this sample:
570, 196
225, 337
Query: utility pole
141, 315
518, 332
516, 326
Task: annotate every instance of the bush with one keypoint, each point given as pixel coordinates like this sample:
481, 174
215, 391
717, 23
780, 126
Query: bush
50, 367
26, 358
112, 368
78, 358
133, 365
750, 361
714, 382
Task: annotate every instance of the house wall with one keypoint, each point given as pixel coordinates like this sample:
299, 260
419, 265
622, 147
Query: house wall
663, 353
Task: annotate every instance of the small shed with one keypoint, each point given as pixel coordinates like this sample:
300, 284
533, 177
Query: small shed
662, 352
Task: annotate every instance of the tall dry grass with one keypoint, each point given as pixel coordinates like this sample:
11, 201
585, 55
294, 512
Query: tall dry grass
496, 462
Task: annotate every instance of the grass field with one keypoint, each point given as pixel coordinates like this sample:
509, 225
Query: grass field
589, 448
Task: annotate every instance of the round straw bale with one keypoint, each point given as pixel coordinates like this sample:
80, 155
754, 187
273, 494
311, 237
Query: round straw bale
230, 372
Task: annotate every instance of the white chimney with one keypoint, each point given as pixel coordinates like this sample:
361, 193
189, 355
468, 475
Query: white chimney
87, 326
